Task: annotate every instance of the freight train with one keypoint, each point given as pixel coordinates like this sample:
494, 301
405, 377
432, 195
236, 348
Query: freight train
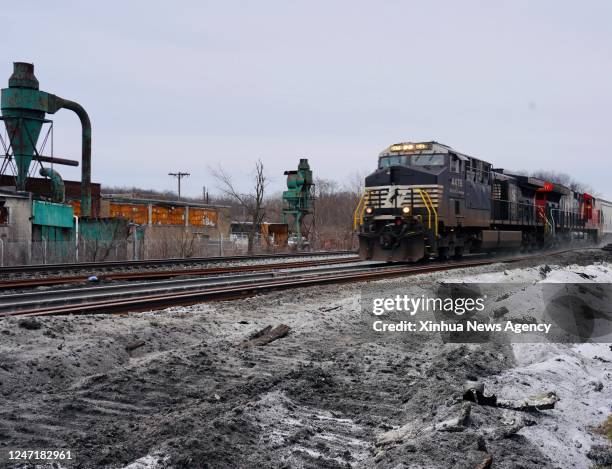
428, 200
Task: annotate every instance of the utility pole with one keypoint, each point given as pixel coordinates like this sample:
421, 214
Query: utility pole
179, 176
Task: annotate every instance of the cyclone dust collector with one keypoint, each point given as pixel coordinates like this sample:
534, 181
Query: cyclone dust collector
23, 111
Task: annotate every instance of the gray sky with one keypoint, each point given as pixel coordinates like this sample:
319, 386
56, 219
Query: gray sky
187, 85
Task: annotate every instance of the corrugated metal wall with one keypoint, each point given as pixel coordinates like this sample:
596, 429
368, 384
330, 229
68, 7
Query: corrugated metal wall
52, 214
133, 212
42, 186
162, 214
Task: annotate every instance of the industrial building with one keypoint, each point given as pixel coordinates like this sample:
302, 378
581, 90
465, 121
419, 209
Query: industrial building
47, 220
268, 235
34, 229
168, 228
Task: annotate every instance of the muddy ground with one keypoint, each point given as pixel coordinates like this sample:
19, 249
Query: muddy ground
321, 397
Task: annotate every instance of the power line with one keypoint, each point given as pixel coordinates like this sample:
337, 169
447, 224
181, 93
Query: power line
179, 176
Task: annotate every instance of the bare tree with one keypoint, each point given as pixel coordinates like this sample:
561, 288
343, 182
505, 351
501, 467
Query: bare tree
558, 178
252, 202
332, 225
563, 179
355, 183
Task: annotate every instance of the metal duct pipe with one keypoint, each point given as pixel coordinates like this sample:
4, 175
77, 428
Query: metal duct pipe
55, 160
57, 184
85, 152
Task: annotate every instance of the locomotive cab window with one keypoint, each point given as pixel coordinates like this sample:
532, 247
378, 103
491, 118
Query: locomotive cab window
395, 160
455, 164
411, 160
427, 160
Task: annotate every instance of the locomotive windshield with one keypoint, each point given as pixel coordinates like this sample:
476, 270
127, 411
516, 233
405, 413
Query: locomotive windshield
427, 160
387, 161
411, 160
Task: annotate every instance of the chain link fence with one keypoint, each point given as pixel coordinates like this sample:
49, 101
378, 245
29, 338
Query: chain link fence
56, 252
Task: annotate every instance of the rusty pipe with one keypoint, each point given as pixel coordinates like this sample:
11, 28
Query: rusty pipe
85, 152
55, 160
58, 192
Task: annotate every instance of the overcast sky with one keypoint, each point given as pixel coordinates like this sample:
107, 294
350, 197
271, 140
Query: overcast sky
187, 85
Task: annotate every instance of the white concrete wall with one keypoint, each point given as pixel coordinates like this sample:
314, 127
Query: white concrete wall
17, 234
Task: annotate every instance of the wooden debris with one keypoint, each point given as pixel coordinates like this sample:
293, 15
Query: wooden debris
413, 429
408, 431
510, 424
134, 345
542, 401
487, 463
456, 424
260, 333
474, 391
266, 335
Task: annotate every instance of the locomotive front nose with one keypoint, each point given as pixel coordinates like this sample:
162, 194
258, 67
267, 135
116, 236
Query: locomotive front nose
401, 175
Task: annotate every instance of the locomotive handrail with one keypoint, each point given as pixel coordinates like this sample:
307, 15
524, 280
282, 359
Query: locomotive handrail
552, 223
430, 208
355, 213
426, 206
358, 215
533, 215
433, 208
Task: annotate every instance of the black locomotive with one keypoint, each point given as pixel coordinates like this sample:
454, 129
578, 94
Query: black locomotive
427, 199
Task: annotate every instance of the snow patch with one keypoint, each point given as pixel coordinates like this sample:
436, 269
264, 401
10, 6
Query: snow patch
600, 273
581, 376
150, 461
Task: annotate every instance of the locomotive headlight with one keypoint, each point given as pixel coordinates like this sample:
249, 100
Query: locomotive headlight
406, 210
410, 146
369, 210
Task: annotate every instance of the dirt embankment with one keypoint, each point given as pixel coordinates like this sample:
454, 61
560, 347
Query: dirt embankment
322, 396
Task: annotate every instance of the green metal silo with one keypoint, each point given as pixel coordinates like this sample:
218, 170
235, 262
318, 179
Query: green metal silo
299, 198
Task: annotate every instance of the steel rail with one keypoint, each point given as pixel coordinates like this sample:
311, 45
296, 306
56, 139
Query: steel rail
236, 290
141, 275
65, 295
160, 262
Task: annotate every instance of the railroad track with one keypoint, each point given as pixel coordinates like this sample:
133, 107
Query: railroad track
228, 285
159, 294
105, 266
164, 274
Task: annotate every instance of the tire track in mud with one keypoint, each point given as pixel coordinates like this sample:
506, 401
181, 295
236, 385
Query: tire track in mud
190, 397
